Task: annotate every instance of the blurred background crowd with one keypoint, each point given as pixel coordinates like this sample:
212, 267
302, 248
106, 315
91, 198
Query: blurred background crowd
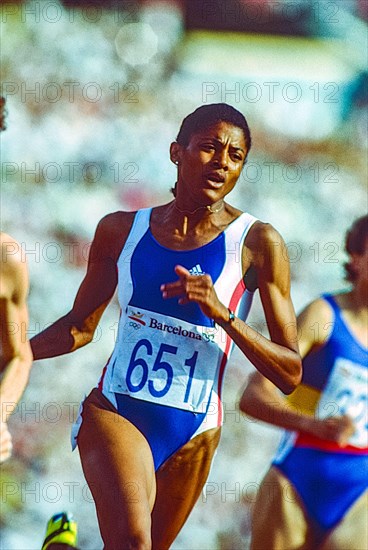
95, 93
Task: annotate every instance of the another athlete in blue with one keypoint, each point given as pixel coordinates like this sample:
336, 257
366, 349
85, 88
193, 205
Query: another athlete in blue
315, 494
186, 272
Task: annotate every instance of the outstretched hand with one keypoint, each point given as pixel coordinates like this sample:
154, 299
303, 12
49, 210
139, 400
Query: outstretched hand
338, 429
198, 289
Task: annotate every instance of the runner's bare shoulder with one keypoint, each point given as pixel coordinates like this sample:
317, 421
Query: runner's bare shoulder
264, 245
112, 232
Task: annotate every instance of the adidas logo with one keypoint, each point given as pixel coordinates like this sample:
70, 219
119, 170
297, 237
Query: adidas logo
196, 270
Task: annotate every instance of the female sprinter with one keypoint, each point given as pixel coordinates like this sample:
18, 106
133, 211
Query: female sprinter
186, 273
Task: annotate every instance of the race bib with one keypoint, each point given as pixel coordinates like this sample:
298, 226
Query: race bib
166, 360
346, 394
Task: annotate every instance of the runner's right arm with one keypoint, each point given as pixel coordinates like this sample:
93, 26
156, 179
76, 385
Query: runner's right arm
76, 328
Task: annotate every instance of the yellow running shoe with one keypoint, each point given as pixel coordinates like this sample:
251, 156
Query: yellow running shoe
61, 530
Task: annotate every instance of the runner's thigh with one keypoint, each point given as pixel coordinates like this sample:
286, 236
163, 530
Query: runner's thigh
278, 519
352, 531
118, 466
179, 483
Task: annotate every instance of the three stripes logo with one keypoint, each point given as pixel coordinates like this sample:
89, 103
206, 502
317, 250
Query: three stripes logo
196, 270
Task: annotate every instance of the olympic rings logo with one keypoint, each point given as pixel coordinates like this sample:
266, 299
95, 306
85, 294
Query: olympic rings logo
136, 326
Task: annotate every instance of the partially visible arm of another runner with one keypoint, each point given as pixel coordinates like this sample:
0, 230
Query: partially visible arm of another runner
16, 356
262, 400
76, 328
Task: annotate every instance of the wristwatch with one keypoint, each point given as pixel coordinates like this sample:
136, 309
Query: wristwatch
229, 321
231, 316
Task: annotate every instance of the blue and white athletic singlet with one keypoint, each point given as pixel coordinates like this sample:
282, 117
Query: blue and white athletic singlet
166, 353
166, 370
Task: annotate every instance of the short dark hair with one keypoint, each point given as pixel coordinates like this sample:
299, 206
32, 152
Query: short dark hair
355, 243
206, 116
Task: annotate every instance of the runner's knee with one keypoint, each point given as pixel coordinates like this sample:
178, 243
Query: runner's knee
139, 542
133, 541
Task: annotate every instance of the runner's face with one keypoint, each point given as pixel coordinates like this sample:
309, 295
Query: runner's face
210, 165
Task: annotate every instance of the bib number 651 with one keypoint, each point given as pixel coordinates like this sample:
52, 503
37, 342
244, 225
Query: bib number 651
159, 364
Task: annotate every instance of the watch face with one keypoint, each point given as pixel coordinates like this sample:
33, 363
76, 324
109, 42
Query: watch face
231, 316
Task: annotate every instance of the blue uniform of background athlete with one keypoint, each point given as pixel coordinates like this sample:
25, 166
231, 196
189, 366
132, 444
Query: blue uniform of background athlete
315, 494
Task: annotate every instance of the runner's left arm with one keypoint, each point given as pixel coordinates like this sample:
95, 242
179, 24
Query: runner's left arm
276, 358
